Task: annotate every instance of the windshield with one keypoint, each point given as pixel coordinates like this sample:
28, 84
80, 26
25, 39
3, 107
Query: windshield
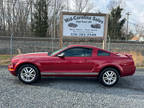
56, 51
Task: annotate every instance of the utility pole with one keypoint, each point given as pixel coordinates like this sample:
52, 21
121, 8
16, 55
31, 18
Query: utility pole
12, 31
127, 30
67, 6
54, 18
54, 26
31, 9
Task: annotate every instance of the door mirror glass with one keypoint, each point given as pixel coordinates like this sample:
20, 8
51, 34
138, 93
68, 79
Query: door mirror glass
61, 55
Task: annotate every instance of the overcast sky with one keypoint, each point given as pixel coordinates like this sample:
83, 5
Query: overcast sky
135, 7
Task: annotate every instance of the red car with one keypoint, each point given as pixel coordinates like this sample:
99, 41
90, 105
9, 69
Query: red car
74, 60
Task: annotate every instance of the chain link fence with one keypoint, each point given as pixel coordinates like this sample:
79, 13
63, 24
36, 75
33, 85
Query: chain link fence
34, 44
11, 45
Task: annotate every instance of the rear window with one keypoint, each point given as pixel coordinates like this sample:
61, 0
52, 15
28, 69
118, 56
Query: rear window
103, 53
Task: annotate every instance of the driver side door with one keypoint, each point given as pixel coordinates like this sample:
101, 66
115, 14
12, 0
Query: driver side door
75, 60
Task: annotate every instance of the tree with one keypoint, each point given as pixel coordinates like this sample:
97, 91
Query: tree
116, 24
54, 9
139, 28
82, 5
40, 18
115, 3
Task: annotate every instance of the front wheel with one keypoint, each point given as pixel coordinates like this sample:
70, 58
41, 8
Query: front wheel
28, 74
109, 77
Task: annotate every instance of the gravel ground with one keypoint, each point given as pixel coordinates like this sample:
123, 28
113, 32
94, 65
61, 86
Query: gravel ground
71, 92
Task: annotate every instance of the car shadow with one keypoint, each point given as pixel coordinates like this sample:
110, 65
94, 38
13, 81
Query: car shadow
133, 84
52, 81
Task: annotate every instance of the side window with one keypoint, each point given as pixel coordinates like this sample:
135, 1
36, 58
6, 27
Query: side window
78, 52
103, 53
87, 52
74, 52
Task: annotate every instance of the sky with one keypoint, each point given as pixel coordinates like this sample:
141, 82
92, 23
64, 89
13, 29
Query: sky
135, 7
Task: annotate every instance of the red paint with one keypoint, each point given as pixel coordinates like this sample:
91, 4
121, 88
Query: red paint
71, 65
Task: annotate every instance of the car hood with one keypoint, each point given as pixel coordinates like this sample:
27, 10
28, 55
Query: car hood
31, 55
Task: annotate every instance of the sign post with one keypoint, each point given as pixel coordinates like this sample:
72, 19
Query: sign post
61, 31
83, 25
105, 32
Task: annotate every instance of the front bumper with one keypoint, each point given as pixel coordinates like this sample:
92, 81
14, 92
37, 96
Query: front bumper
11, 69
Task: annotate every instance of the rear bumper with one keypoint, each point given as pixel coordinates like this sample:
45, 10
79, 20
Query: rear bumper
129, 71
133, 70
11, 69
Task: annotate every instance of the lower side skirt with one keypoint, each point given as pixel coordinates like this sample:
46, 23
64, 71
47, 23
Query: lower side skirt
67, 74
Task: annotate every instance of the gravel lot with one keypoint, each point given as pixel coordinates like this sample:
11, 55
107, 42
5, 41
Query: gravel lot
71, 92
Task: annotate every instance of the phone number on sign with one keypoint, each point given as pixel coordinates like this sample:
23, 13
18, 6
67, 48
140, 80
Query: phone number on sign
82, 34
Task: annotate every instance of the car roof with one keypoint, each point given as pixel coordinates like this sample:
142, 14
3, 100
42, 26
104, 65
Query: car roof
87, 46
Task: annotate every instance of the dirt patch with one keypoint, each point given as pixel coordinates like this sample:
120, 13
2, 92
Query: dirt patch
137, 56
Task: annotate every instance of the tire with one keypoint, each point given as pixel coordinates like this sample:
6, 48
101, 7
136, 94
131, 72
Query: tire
28, 74
109, 77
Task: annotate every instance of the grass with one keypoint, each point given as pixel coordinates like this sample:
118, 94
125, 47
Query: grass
4, 59
138, 58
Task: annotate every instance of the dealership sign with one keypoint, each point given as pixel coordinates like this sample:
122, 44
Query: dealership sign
80, 25
83, 25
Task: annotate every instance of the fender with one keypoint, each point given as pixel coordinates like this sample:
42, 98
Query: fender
27, 61
101, 67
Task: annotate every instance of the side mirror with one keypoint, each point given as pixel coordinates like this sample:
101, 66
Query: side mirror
61, 55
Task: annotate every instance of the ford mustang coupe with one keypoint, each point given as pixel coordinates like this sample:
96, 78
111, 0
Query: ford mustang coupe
74, 60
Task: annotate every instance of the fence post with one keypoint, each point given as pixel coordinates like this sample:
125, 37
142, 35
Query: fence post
11, 46
52, 44
109, 43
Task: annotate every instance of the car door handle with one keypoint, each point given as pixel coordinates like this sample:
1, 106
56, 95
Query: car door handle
88, 60
81, 61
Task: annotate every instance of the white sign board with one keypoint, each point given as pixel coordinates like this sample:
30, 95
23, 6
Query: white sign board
83, 25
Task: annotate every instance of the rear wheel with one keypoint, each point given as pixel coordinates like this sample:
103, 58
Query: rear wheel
28, 74
109, 77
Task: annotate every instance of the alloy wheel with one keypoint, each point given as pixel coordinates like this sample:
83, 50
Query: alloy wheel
109, 77
28, 74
